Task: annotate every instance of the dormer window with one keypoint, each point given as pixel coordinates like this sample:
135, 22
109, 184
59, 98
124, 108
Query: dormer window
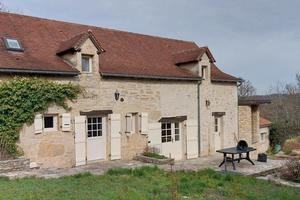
13, 44
86, 63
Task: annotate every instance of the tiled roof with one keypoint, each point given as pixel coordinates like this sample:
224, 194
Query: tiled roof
263, 122
254, 100
125, 53
192, 55
74, 43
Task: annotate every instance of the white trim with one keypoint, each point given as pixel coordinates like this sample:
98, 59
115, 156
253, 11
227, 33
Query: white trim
55, 127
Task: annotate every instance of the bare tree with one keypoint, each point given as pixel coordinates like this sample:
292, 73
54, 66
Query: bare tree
3, 8
246, 89
298, 82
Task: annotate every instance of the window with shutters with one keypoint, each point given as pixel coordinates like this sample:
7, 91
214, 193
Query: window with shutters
132, 123
94, 126
50, 123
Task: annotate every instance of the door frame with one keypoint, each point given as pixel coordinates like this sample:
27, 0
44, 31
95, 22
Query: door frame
220, 131
170, 146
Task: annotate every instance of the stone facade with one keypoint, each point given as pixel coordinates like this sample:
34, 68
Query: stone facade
156, 97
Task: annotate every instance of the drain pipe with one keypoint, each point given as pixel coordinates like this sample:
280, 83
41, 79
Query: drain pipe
198, 106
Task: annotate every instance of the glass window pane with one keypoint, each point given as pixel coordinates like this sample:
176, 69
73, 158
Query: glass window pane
94, 133
176, 137
89, 134
94, 126
168, 125
163, 139
85, 61
177, 125
94, 120
100, 126
89, 120
48, 122
163, 133
14, 44
99, 133
169, 138
168, 132
163, 126
89, 127
99, 119
176, 131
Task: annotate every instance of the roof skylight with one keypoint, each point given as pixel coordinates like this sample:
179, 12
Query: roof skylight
12, 44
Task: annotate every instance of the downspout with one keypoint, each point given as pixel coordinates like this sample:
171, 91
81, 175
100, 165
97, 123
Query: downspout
198, 106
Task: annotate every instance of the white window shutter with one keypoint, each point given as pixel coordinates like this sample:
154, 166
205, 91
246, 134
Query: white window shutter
38, 123
144, 123
192, 139
115, 134
66, 122
128, 121
154, 136
80, 140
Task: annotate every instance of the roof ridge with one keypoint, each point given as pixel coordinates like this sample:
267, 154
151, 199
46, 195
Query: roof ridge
94, 26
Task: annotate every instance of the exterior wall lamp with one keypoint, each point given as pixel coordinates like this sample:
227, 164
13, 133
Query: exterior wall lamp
117, 95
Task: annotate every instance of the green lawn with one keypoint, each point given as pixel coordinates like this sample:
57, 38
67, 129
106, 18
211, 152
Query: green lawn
146, 183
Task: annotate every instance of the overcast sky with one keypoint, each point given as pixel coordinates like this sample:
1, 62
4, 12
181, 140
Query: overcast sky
258, 40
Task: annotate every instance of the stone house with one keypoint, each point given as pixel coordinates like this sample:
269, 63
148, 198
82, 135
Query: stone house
252, 127
140, 92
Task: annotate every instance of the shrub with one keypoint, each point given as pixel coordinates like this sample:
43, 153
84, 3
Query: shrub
291, 144
21, 98
291, 171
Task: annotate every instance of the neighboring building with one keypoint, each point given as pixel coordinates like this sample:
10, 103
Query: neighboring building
139, 91
252, 127
264, 132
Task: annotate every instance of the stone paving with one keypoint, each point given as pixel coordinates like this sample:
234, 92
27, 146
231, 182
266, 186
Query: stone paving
244, 167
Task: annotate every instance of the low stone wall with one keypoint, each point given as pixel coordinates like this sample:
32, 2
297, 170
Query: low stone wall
14, 165
154, 160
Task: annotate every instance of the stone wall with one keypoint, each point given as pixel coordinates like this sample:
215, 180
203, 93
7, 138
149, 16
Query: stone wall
217, 97
249, 129
14, 165
245, 124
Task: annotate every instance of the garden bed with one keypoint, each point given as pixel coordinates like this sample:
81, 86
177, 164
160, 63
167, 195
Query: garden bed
154, 158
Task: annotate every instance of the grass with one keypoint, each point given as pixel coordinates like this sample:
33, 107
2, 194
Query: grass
153, 155
146, 183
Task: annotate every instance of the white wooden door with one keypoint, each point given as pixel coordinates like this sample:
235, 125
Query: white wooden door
96, 138
115, 136
80, 140
192, 139
217, 133
171, 140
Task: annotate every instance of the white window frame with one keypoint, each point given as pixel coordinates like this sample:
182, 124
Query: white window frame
204, 72
55, 123
174, 136
263, 136
89, 57
97, 129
